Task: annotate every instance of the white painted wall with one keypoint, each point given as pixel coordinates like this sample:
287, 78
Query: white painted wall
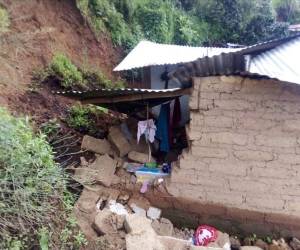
157, 83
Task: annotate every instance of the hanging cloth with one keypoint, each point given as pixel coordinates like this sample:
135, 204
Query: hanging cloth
147, 128
176, 113
163, 124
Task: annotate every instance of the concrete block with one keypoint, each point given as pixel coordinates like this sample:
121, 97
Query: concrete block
164, 227
105, 167
153, 213
119, 142
98, 146
139, 157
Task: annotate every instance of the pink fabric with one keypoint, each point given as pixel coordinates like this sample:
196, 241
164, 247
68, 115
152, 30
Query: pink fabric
204, 235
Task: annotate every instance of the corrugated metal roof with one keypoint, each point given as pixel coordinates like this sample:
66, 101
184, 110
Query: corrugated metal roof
281, 62
107, 93
126, 100
273, 59
150, 54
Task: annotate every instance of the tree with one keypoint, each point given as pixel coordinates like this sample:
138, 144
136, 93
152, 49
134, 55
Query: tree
287, 10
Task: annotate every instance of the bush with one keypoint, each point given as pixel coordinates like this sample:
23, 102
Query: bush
66, 71
4, 20
87, 118
32, 186
98, 79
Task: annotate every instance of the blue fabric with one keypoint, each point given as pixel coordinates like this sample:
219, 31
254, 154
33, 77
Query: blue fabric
162, 131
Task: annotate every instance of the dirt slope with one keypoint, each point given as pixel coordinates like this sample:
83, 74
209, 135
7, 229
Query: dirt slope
38, 29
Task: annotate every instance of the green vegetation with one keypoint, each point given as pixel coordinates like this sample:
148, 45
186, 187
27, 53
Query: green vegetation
66, 71
189, 22
68, 76
88, 119
4, 20
287, 10
35, 205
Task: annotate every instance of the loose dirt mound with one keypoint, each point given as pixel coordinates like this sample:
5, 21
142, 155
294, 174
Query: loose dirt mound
38, 29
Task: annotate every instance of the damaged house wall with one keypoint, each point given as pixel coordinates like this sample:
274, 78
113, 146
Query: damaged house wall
244, 150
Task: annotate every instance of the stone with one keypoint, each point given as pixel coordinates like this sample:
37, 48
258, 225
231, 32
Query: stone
87, 201
118, 141
295, 244
279, 245
117, 208
138, 210
83, 162
107, 222
123, 198
261, 244
85, 175
164, 227
171, 243
250, 248
154, 213
139, 157
235, 243
98, 146
222, 241
105, 167
137, 224
144, 241
140, 201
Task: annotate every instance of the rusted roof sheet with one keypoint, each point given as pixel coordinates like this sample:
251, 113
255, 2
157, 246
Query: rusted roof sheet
150, 54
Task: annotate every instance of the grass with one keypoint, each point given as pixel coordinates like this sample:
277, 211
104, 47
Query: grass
4, 20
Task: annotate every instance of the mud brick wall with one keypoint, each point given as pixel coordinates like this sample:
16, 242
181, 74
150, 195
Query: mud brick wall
244, 145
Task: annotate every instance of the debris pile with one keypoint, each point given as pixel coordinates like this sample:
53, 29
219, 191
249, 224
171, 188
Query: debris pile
110, 209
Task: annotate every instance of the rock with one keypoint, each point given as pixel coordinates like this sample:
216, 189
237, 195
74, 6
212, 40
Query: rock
222, 241
98, 146
115, 180
171, 243
85, 175
143, 241
123, 198
141, 235
117, 208
137, 224
118, 141
295, 244
164, 227
139, 157
250, 248
235, 243
138, 210
279, 245
133, 179
83, 162
261, 244
106, 167
140, 201
154, 213
87, 201
107, 222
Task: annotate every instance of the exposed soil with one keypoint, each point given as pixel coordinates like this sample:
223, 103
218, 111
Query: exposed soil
40, 28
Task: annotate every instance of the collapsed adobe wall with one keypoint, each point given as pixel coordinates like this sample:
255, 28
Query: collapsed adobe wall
244, 151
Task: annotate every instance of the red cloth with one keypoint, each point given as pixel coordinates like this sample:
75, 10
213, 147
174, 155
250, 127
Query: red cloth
204, 235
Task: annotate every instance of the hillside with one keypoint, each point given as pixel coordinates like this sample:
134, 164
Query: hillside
38, 29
